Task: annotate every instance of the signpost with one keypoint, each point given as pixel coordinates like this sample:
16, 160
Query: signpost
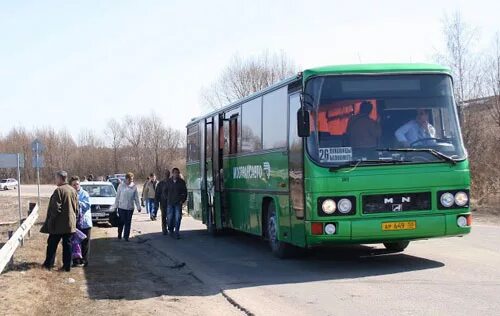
14, 161
37, 147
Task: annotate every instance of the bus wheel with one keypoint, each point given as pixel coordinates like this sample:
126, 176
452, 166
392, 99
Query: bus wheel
279, 248
396, 246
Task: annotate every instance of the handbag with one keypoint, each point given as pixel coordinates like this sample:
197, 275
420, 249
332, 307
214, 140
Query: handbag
114, 218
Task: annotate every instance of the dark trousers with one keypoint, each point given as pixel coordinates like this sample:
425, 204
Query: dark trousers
125, 220
164, 221
52, 243
174, 217
86, 244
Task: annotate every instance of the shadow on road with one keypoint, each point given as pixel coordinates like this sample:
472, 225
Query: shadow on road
152, 265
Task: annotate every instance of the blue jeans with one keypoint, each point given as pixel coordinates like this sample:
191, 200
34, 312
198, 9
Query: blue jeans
174, 216
151, 207
124, 221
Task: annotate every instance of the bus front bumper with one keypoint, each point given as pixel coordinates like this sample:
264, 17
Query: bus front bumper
376, 230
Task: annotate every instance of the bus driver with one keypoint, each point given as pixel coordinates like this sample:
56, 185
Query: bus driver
415, 130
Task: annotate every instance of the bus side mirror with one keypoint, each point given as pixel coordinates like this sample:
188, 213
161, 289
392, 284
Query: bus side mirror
303, 124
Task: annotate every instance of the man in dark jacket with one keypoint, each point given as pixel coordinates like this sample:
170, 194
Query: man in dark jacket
161, 200
176, 196
61, 221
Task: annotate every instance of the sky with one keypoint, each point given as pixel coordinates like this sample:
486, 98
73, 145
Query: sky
76, 64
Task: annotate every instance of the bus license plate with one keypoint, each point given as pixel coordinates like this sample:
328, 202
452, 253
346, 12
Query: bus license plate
409, 225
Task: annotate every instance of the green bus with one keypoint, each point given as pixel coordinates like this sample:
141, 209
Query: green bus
358, 154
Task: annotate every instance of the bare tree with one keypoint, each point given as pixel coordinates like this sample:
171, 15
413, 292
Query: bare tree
115, 134
493, 79
133, 131
460, 38
244, 76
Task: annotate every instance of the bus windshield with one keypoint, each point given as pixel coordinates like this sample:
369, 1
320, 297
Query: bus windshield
376, 119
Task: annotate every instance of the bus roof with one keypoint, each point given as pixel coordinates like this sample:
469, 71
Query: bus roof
375, 68
337, 70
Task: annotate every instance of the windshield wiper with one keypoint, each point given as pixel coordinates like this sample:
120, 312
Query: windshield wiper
355, 163
431, 151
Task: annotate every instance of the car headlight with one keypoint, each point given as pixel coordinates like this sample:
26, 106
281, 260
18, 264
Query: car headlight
447, 199
461, 198
344, 206
329, 206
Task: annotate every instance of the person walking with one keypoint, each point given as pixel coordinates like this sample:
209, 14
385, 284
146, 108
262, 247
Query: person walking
60, 222
143, 201
176, 196
161, 200
126, 197
84, 224
149, 194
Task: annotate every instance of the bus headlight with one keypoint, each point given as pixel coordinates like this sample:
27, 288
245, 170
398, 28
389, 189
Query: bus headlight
461, 221
344, 206
461, 198
447, 199
330, 229
329, 206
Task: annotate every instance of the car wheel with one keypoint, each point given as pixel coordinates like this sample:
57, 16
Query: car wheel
396, 246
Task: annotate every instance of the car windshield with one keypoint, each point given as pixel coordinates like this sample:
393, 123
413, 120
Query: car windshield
3, 181
373, 119
100, 190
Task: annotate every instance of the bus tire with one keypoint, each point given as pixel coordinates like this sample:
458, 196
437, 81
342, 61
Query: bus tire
397, 246
279, 248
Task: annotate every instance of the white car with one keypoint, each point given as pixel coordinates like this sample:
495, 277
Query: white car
6, 184
102, 197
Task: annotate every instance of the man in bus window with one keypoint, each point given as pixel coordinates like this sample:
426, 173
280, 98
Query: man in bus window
416, 130
363, 131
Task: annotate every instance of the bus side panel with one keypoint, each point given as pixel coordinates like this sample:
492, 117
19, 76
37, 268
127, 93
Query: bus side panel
248, 179
283, 202
242, 209
194, 189
298, 231
246, 213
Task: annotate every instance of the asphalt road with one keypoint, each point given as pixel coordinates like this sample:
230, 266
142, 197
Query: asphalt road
31, 190
452, 276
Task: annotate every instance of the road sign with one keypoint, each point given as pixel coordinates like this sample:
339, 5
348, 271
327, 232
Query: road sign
10, 161
38, 164
37, 146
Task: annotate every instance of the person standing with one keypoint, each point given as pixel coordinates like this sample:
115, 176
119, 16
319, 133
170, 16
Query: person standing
161, 200
126, 197
84, 224
176, 196
60, 222
148, 195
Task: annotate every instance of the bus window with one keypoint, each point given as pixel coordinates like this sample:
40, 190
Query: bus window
233, 135
193, 144
251, 121
232, 132
274, 126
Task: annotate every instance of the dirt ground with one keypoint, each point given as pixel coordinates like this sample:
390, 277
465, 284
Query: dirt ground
123, 278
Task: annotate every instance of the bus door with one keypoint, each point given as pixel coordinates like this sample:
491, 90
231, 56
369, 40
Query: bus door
296, 173
205, 162
214, 146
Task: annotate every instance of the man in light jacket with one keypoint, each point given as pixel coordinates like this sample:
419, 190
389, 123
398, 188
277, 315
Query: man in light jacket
126, 197
60, 222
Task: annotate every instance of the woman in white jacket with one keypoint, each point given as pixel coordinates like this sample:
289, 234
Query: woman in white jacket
126, 197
